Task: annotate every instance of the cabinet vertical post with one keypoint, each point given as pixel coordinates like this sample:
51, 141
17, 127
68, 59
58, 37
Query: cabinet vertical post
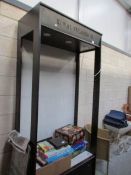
35, 99
77, 59
95, 108
18, 82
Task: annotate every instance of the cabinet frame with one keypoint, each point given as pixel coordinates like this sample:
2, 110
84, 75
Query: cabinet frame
40, 20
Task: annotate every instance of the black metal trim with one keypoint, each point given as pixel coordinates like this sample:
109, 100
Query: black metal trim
95, 108
35, 98
35, 89
96, 94
88, 50
18, 81
77, 59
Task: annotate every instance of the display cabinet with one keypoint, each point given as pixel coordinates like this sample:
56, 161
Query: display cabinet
46, 26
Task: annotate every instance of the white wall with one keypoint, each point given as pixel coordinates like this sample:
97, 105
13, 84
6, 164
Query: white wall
56, 91
115, 79
128, 36
108, 17
69, 7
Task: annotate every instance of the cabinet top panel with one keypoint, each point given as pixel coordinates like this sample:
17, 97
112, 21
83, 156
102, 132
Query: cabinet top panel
59, 30
64, 24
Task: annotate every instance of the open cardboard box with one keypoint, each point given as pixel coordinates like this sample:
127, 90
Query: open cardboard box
56, 167
104, 139
103, 142
129, 98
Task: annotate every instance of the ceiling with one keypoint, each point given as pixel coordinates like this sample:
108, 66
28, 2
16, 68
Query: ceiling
126, 4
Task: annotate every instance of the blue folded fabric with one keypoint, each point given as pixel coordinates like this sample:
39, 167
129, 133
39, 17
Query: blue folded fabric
116, 119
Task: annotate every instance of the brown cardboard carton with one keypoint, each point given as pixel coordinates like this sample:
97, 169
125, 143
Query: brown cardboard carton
129, 97
55, 168
103, 142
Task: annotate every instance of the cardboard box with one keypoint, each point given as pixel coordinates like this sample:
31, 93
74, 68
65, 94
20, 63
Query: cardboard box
55, 168
103, 142
129, 97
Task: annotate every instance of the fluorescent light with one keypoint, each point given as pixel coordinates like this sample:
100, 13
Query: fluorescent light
47, 34
55, 25
68, 42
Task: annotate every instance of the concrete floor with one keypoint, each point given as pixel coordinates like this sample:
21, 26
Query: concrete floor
118, 165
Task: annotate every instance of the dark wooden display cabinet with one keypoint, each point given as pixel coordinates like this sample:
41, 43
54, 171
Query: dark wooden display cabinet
35, 26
